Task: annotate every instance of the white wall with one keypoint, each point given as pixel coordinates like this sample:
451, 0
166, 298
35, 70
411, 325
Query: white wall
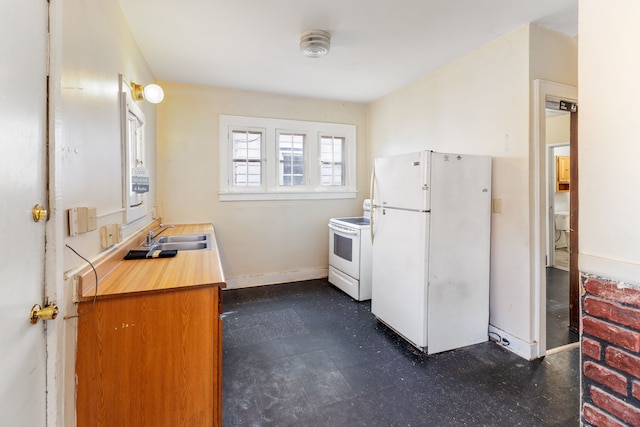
96, 45
609, 131
261, 242
480, 104
90, 45
558, 128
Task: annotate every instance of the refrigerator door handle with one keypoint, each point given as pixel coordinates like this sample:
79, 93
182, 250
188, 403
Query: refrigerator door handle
373, 202
405, 209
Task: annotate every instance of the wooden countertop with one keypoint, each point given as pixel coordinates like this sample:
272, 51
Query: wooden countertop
119, 277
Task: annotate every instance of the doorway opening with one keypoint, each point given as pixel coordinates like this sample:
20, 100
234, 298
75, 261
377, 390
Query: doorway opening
558, 155
555, 203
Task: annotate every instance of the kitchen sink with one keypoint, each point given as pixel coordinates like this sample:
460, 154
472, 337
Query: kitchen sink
188, 242
179, 246
185, 238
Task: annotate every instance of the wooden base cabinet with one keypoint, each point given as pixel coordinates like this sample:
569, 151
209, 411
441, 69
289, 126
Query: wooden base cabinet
151, 359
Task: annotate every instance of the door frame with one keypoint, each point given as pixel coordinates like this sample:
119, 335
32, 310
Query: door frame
541, 90
60, 339
574, 273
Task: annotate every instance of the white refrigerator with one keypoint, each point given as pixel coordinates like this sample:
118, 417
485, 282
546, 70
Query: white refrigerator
431, 221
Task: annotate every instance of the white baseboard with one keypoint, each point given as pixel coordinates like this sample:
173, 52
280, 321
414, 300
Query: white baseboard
522, 348
274, 278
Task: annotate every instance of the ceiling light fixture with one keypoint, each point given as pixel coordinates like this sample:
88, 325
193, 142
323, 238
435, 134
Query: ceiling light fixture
315, 43
152, 93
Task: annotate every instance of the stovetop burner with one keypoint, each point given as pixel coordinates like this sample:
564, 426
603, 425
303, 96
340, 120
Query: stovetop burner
358, 220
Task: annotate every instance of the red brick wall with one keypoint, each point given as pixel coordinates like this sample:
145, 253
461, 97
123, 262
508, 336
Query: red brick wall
610, 353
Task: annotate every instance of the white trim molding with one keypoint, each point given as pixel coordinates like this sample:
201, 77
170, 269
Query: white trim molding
269, 187
276, 278
538, 220
526, 350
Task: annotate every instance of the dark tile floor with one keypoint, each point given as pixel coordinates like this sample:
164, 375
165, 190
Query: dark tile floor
558, 332
306, 354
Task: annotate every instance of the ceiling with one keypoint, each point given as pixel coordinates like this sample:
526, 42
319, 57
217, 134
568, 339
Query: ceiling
377, 46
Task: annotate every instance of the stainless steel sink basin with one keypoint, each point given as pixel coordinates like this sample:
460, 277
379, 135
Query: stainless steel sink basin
184, 238
188, 242
179, 246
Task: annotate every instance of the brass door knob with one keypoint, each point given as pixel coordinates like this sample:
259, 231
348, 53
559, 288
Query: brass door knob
39, 213
49, 312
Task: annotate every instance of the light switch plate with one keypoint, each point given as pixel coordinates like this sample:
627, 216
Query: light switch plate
117, 233
87, 219
92, 219
496, 205
73, 222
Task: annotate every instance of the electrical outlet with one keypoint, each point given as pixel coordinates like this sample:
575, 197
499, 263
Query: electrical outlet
109, 235
105, 240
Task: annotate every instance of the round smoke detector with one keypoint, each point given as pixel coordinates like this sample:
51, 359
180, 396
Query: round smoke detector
315, 43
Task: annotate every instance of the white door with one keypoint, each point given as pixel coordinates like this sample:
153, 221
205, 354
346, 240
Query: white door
23, 40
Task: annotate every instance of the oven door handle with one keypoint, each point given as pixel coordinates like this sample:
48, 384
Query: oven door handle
342, 231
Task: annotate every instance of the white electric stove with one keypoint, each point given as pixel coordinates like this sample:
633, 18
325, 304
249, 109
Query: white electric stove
350, 254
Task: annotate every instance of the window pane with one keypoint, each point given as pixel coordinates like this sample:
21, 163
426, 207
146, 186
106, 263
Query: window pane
331, 158
254, 174
247, 158
337, 151
326, 174
326, 145
291, 158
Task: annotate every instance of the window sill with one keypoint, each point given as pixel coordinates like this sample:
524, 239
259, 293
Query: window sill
320, 195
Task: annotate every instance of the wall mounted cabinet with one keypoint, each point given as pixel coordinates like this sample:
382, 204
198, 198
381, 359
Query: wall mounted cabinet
562, 173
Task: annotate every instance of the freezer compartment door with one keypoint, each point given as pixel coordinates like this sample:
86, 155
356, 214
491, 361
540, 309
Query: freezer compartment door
403, 181
400, 272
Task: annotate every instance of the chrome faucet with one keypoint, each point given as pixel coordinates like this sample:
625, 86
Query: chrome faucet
151, 236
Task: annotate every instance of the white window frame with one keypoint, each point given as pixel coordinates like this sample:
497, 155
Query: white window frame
133, 149
271, 189
323, 135
305, 162
263, 166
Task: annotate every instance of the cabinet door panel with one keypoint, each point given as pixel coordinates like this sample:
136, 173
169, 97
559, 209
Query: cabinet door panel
150, 360
562, 173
